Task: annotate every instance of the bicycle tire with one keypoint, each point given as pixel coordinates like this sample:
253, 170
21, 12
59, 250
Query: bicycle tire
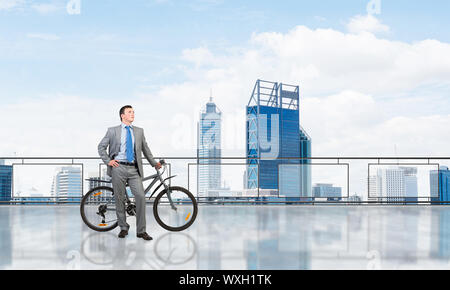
170, 228
83, 215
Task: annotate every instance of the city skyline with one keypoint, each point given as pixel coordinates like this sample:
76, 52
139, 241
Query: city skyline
425, 184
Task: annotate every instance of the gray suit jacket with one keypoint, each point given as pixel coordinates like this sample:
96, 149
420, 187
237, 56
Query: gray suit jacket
112, 140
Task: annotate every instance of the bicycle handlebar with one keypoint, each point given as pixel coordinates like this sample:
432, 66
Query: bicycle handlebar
163, 165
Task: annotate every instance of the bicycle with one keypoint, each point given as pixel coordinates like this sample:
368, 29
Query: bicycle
175, 208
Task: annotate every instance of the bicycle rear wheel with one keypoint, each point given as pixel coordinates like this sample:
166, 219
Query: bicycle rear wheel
98, 209
175, 211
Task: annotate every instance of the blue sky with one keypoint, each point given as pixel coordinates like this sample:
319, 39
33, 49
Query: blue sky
113, 48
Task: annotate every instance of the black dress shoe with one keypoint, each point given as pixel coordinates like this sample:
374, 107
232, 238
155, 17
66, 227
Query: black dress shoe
123, 233
145, 236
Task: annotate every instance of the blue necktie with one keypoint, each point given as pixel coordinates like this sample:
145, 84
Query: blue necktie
130, 153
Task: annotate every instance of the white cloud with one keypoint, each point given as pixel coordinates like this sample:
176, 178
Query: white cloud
366, 23
198, 56
55, 125
10, 4
353, 124
326, 60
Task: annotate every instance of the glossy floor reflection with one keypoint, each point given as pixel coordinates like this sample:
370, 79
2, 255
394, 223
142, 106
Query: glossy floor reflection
234, 237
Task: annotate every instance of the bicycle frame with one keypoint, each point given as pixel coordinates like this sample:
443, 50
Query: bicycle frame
158, 176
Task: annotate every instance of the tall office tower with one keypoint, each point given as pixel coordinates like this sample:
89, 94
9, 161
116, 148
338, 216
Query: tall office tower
411, 188
209, 146
440, 184
67, 183
375, 186
273, 135
5, 181
394, 184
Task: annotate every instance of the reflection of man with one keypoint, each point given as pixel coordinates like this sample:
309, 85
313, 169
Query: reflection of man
126, 144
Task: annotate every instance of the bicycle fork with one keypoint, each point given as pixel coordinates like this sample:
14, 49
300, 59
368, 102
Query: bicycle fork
168, 192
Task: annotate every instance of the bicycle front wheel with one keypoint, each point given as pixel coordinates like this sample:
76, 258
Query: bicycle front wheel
175, 209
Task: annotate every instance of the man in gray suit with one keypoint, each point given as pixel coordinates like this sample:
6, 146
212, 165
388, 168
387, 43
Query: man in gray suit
124, 164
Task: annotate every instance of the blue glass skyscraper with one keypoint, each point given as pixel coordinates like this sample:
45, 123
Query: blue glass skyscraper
440, 184
5, 181
274, 134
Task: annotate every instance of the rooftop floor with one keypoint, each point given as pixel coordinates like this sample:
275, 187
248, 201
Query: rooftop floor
234, 237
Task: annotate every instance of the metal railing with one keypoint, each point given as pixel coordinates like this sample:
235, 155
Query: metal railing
357, 180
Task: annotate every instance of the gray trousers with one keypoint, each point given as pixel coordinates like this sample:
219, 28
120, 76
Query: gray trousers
120, 176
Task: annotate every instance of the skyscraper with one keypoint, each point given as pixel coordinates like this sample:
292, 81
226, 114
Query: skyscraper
273, 135
67, 183
5, 181
440, 184
209, 146
375, 185
411, 189
394, 184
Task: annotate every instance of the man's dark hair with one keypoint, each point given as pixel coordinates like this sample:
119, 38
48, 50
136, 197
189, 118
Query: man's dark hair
122, 110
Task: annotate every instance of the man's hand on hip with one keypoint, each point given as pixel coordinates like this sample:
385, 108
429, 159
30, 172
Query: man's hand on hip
113, 163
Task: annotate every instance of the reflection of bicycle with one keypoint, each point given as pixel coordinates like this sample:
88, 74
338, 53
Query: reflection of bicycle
175, 248
174, 208
172, 248
100, 249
